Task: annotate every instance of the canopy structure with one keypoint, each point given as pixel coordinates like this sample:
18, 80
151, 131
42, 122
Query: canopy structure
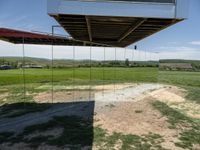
24, 37
116, 22
113, 23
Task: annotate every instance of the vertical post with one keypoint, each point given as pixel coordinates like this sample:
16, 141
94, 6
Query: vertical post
115, 70
52, 61
139, 56
74, 50
52, 64
3, 61
23, 72
124, 74
90, 72
104, 62
135, 48
132, 57
150, 56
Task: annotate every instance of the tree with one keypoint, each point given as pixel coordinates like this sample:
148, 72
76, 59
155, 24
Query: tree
127, 62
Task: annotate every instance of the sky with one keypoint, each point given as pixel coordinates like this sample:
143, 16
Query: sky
180, 41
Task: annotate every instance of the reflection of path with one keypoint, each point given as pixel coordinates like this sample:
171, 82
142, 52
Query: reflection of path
127, 94
82, 109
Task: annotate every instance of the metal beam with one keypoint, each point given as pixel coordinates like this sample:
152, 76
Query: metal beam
89, 28
132, 28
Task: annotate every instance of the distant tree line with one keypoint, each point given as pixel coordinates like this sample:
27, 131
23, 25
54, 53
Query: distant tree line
125, 63
18, 63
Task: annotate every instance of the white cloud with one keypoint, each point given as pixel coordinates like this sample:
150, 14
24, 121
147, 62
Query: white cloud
179, 52
195, 43
176, 48
179, 55
66, 52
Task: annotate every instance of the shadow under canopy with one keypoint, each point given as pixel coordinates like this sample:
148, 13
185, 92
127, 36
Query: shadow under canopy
73, 121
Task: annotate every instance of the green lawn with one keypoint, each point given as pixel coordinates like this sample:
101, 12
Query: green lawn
9, 77
180, 78
12, 80
39, 80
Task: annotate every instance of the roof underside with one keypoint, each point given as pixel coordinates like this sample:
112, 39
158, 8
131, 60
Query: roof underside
113, 31
23, 37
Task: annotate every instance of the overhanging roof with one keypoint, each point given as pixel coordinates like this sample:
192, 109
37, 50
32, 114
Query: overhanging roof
116, 23
24, 37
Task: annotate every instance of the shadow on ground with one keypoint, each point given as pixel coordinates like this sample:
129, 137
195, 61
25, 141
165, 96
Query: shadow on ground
64, 125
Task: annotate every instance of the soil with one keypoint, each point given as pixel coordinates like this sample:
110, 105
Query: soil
3, 96
124, 108
137, 118
175, 98
78, 93
168, 95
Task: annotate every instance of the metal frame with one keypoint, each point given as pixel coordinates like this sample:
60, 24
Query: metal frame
119, 8
116, 23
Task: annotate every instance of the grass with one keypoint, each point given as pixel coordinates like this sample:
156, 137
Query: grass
175, 118
12, 80
129, 141
11, 77
78, 133
180, 78
5, 136
193, 94
189, 128
19, 109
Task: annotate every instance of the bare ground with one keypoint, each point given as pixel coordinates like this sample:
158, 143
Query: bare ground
129, 112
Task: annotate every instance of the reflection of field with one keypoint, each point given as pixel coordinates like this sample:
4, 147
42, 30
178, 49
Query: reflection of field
79, 74
128, 109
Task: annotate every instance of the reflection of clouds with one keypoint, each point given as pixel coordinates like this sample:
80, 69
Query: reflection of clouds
180, 54
66, 52
175, 48
195, 43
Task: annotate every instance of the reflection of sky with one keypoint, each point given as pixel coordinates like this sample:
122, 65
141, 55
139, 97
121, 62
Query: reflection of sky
179, 41
66, 52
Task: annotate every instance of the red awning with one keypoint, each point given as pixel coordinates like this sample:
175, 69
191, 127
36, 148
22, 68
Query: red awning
20, 37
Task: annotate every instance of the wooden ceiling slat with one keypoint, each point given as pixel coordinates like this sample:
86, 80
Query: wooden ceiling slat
120, 31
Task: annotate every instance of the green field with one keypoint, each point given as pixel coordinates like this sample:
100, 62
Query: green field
10, 77
12, 81
180, 78
40, 80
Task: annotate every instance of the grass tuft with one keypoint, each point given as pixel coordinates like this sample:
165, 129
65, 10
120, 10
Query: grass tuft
190, 128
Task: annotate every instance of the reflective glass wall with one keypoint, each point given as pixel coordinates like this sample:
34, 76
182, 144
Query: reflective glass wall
33, 77
153, 1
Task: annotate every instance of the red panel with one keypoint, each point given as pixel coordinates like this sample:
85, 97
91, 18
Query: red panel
20, 34
23, 37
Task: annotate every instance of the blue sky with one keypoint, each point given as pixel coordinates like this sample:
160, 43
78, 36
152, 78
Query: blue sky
179, 41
